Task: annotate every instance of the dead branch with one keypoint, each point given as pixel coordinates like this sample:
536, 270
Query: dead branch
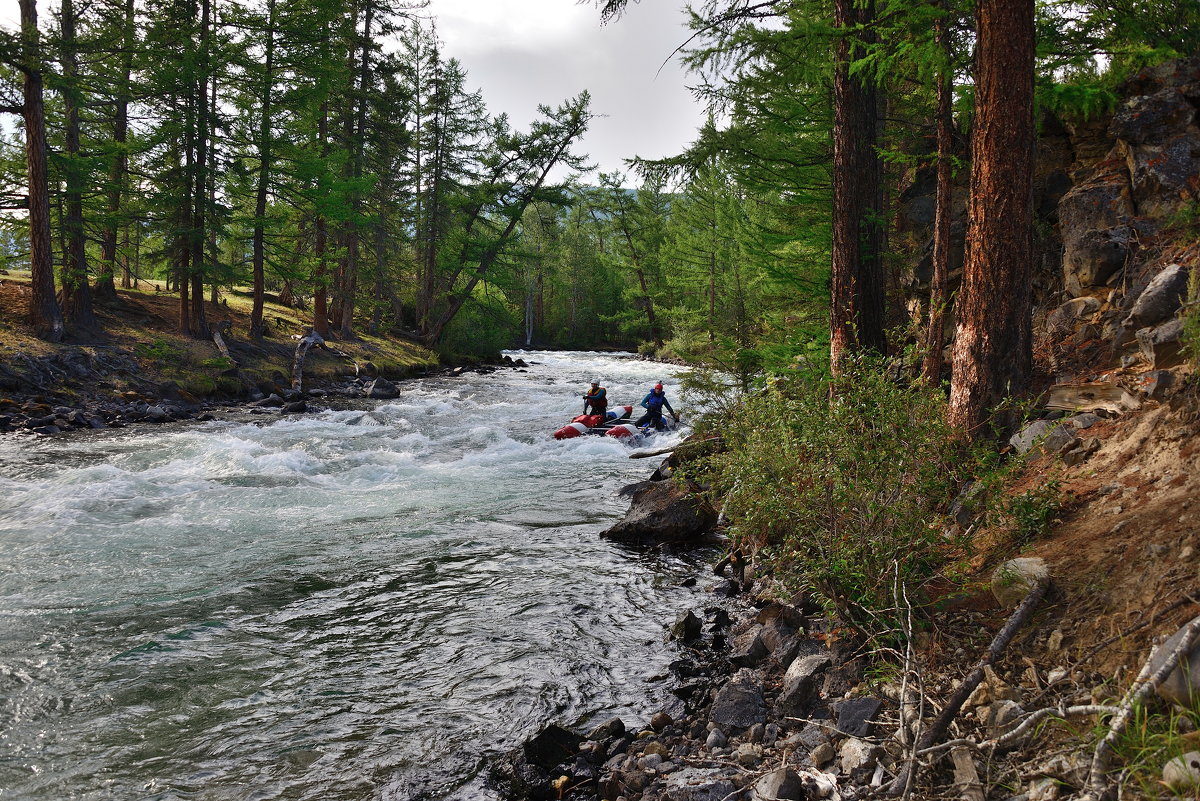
900, 785
1145, 683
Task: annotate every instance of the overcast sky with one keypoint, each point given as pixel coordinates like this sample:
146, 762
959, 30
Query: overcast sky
525, 52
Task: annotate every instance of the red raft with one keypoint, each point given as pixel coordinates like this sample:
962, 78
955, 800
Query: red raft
607, 423
616, 423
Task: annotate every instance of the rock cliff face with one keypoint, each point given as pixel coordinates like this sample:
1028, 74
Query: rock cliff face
1109, 193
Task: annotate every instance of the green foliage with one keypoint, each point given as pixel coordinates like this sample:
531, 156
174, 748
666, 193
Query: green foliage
217, 363
1028, 516
161, 351
1153, 737
840, 484
1191, 314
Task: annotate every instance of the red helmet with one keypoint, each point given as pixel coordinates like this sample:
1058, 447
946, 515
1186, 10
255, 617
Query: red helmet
658, 385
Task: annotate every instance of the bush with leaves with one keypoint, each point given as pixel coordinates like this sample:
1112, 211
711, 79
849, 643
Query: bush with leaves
840, 483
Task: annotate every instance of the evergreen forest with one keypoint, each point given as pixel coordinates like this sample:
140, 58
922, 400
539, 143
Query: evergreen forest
331, 155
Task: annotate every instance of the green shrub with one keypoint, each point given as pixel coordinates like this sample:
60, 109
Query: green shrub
218, 363
1191, 317
161, 351
1029, 515
840, 485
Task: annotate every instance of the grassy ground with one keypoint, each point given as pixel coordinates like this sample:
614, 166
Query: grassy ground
143, 322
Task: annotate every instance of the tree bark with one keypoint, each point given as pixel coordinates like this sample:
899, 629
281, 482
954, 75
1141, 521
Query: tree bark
44, 313
931, 369
992, 350
76, 292
118, 170
264, 176
320, 244
200, 187
856, 288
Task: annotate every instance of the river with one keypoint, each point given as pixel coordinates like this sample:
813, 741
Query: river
361, 603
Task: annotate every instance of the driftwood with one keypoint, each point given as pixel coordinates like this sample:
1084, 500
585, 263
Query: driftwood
219, 340
941, 723
1082, 397
309, 340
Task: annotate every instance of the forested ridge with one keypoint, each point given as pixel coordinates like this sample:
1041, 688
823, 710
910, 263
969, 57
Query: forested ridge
333, 156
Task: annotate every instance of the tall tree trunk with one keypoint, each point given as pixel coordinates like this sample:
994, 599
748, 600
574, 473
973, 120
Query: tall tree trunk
358, 145
992, 350
931, 369
44, 313
856, 290
264, 176
76, 292
320, 244
200, 186
118, 170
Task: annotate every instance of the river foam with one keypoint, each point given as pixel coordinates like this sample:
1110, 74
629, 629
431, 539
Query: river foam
358, 603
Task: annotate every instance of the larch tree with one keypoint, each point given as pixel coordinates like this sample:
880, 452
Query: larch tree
44, 313
992, 349
856, 303
76, 292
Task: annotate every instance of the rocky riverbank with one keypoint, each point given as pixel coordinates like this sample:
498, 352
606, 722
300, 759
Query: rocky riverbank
88, 389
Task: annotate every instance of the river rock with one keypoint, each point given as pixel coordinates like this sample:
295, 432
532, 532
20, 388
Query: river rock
525, 771
697, 784
687, 627
739, 704
749, 648
780, 785
662, 512
799, 682
382, 389
613, 727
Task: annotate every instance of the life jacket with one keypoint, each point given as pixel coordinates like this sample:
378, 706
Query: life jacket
654, 402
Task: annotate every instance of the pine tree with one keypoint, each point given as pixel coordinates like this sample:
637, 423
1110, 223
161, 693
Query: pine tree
992, 350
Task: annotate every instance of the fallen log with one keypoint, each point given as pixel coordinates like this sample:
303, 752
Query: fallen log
682, 446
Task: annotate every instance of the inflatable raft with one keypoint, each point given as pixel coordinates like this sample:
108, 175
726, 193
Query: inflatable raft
615, 423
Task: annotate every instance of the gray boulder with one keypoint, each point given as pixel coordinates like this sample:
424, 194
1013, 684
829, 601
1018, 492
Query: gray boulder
1050, 436
1097, 239
382, 389
856, 716
662, 511
1182, 686
1161, 298
749, 648
687, 627
1162, 346
780, 785
1064, 317
1016, 578
739, 704
799, 682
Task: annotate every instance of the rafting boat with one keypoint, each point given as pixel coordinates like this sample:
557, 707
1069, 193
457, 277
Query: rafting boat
615, 423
